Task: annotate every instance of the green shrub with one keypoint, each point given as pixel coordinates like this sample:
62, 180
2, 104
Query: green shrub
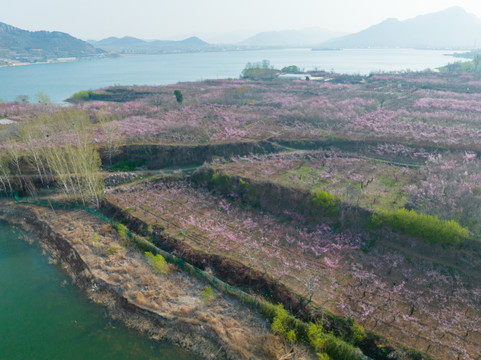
112, 250
179, 97
326, 201
216, 177
209, 295
423, 226
329, 346
268, 310
158, 263
43, 98
95, 241
259, 71
84, 95
375, 221
221, 180
123, 232
463, 66
292, 69
358, 333
280, 325
127, 165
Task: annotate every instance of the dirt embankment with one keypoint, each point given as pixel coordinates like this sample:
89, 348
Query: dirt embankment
161, 156
276, 198
255, 282
168, 307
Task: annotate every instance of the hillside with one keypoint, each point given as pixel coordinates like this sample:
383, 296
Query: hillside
297, 38
32, 46
359, 195
452, 28
131, 45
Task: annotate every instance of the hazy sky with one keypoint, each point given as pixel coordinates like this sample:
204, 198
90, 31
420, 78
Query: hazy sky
176, 19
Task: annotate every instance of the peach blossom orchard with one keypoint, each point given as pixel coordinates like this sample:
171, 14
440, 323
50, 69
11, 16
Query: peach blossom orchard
398, 141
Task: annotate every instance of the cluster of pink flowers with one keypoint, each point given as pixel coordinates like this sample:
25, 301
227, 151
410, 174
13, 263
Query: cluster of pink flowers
19, 111
451, 189
217, 225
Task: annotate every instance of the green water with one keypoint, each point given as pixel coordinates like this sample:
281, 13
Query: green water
42, 317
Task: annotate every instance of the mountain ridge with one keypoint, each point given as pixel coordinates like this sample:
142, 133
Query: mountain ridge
303, 37
129, 44
31, 46
452, 28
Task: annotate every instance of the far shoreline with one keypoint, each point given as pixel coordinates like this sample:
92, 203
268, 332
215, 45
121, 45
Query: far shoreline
455, 53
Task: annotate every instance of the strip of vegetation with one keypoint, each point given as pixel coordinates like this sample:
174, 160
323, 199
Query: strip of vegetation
259, 71
326, 345
127, 165
426, 227
85, 95
463, 66
114, 94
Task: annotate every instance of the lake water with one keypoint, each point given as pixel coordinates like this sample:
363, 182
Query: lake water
43, 319
61, 80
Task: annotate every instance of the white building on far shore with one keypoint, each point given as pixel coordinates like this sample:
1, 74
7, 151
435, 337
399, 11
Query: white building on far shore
6, 122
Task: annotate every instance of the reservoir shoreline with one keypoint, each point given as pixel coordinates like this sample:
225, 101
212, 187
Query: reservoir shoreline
197, 330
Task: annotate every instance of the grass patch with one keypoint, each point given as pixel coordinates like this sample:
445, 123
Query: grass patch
389, 182
426, 227
328, 346
84, 95
209, 295
326, 201
127, 165
113, 250
158, 263
281, 327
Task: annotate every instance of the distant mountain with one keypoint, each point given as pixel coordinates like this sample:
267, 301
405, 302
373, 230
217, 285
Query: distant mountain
31, 46
296, 38
452, 28
131, 45
114, 41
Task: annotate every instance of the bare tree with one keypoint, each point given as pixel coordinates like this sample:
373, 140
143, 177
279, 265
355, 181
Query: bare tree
111, 133
311, 282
